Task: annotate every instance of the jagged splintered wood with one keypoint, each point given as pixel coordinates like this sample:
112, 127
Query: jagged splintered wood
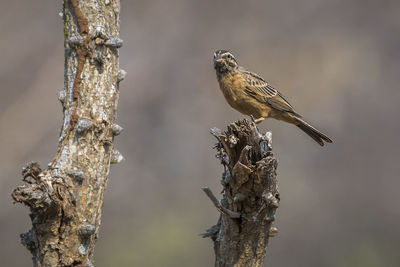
250, 195
65, 199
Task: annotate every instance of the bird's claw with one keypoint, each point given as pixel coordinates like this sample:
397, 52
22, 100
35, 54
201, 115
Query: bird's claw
257, 121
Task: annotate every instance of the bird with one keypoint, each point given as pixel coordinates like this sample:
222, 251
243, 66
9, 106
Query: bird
250, 94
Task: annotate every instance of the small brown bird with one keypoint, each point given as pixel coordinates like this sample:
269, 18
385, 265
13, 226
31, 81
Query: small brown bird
250, 94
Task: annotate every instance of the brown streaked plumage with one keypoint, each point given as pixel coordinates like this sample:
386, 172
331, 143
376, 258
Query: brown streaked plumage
250, 94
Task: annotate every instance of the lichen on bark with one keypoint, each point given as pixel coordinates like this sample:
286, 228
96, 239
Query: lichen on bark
250, 195
65, 199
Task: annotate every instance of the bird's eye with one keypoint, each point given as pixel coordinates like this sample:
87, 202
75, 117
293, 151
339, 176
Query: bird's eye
229, 56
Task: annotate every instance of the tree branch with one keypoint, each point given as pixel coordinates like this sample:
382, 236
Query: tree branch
65, 199
250, 195
218, 205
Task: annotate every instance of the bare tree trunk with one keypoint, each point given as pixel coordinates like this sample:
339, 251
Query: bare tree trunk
65, 199
250, 196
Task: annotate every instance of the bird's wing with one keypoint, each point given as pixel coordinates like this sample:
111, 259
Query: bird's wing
259, 89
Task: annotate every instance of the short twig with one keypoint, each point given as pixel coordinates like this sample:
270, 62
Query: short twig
218, 205
75, 40
114, 42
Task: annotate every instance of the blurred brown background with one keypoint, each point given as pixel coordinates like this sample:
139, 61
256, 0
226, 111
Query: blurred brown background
336, 61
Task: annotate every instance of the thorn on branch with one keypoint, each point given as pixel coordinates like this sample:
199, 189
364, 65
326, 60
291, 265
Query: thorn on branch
86, 230
116, 157
116, 129
273, 231
271, 200
62, 95
83, 125
218, 205
121, 75
270, 217
75, 40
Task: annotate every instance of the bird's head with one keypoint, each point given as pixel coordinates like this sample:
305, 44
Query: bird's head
224, 62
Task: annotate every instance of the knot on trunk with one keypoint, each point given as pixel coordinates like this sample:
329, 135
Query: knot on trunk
41, 191
35, 192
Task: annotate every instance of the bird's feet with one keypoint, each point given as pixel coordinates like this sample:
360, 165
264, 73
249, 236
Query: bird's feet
257, 121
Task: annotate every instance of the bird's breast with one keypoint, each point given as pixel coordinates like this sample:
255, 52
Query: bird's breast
233, 89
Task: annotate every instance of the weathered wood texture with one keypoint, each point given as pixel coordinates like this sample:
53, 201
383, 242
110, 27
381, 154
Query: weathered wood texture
250, 196
65, 199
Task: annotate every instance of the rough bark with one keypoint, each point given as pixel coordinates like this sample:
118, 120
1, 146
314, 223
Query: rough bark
65, 199
250, 196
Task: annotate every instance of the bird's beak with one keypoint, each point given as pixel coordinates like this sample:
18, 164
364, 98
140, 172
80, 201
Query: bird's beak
217, 59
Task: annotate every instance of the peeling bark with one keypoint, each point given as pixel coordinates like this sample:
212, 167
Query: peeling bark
65, 199
250, 196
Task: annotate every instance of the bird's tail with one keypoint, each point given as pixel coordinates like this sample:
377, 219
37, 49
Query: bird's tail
312, 132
